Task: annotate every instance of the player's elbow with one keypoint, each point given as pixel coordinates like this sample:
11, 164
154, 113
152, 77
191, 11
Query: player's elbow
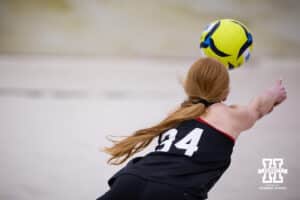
256, 114
258, 109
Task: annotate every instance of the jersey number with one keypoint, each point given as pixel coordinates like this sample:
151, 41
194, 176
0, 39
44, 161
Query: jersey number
189, 142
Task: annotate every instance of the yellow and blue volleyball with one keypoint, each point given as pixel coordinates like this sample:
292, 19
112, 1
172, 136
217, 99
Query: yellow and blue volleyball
227, 40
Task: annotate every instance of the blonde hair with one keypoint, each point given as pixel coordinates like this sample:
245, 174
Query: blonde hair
206, 79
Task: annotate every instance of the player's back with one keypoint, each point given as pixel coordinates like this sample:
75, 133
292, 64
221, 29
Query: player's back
191, 156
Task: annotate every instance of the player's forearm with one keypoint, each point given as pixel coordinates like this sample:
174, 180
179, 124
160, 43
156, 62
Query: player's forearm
262, 104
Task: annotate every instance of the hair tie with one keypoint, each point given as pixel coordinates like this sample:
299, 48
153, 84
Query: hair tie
203, 101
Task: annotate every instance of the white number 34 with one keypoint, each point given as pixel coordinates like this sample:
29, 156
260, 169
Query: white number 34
188, 142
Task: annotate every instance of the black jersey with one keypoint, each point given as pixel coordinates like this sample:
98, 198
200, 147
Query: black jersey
192, 157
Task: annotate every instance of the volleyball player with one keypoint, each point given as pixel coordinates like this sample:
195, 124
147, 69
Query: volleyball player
195, 142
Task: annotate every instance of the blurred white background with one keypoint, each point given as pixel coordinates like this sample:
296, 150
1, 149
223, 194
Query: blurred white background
73, 72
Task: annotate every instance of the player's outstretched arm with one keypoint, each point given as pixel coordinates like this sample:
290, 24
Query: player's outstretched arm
244, 117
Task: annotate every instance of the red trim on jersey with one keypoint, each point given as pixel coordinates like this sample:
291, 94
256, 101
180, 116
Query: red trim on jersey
222, 132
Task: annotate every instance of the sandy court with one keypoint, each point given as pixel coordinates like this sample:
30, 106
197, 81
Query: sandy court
56, 111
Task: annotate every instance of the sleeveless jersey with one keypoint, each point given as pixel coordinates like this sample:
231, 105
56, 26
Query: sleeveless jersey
192, 157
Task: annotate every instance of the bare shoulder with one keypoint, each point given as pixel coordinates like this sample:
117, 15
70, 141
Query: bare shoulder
232, 119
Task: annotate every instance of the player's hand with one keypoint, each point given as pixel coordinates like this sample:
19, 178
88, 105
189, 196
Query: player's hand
279, 91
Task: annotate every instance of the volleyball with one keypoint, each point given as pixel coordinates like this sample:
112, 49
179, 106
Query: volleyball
227, 40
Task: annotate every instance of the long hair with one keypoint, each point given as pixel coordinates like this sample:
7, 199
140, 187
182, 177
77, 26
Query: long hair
206, 79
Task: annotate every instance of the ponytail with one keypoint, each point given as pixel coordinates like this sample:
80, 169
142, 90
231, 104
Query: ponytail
207, 78
123, 149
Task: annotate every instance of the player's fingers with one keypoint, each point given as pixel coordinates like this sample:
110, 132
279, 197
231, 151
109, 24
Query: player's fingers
279, 81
